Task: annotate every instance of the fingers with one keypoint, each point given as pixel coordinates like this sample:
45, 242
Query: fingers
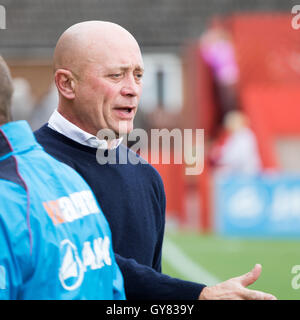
257, 295
251, 276
235, 288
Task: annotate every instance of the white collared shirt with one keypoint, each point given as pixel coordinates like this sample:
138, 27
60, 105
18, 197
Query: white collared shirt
60, 124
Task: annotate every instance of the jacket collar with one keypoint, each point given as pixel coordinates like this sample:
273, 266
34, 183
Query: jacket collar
16, 137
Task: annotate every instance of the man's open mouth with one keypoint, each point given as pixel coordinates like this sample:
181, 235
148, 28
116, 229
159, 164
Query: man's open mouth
125, 109
125, 112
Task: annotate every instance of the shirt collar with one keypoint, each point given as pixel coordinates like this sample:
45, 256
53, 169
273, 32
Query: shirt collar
15, 137
60, 124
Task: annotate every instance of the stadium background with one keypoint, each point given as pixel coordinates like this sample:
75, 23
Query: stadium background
218, 226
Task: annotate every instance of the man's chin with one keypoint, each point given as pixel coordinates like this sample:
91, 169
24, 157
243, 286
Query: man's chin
124, 128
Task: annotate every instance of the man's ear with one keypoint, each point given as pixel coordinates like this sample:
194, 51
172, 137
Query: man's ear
65, 83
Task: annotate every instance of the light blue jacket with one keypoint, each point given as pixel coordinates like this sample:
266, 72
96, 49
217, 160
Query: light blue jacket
55, 242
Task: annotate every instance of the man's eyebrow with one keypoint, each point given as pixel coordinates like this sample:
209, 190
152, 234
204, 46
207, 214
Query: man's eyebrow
139, 68
125, 68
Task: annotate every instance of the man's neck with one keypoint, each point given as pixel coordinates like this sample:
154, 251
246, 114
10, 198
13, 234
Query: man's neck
75, 120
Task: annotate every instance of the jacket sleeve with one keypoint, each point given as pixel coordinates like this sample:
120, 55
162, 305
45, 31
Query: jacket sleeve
118, 280
14, 241
118, 284
9, 275
144, 283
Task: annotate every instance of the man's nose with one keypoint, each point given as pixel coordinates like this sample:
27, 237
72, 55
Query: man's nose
130, 87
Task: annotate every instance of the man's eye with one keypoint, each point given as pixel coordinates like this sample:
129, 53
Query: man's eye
115, 75
139, 75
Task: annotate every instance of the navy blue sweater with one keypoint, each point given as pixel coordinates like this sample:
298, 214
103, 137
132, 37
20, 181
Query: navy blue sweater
133, 200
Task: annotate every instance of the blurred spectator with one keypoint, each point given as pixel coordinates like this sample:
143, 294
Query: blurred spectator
218, 52
22, 100
44, 109
236, 150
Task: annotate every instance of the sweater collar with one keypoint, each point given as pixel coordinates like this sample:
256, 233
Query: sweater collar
16, 137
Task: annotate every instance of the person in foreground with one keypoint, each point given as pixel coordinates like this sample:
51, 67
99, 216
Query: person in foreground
98, 73
55, 241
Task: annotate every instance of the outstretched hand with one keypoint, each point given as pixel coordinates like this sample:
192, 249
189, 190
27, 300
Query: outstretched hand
235, 288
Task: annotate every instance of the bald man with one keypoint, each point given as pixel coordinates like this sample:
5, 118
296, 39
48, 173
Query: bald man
98, 73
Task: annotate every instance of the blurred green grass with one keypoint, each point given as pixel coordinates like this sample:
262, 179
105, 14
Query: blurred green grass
226, 257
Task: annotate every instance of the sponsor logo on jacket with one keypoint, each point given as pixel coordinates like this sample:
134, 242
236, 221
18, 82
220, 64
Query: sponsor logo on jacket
94, 255
72, 207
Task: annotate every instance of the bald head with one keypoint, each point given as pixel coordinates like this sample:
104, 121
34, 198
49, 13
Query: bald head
6, 91
85, 42
98, 69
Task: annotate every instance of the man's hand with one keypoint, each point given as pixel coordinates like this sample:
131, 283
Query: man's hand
235, 288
